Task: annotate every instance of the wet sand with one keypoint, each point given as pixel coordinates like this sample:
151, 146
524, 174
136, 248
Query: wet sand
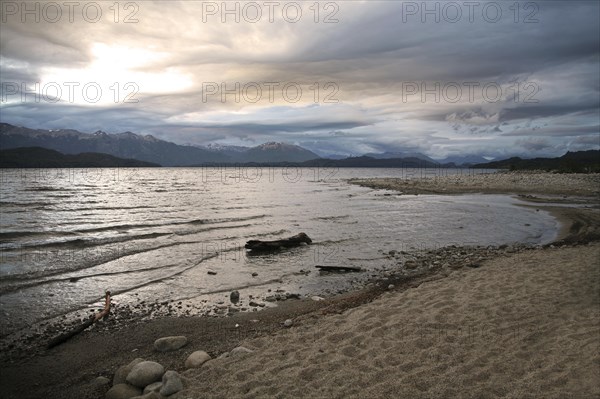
520, 322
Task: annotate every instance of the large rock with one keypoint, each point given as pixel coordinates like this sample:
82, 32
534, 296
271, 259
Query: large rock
122, 372
168, 344
197, 359
171, 383
145, 373
123, 391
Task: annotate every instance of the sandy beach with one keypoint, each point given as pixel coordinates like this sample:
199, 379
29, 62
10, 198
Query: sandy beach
507, 322
521, 326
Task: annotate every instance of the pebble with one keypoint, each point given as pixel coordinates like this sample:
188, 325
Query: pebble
254, 274
145, 373
123, 391
317, 298
391, 287
154, 387
100, 382
196, 359
171, 383
240, 350
411, 264
169, 344
288, 323
211, 272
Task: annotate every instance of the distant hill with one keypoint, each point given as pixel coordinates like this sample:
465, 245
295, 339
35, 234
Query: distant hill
37, 157
571, 162
277, 152
267, 152
352, 162
457, 160
397, 155
369, 162
465, 160
147, 148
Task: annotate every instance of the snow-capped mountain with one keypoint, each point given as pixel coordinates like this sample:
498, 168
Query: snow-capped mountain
147, 148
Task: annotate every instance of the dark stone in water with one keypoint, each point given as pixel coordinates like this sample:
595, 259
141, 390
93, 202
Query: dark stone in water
294, 241
234, 297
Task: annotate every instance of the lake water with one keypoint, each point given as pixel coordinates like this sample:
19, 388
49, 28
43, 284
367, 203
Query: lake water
151, 235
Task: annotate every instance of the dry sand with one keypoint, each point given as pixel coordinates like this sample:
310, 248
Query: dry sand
522, 326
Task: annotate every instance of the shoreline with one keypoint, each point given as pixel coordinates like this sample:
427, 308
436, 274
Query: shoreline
67, 371
503, 182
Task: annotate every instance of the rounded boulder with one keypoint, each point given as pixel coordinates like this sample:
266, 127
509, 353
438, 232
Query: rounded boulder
196, 359
145, 373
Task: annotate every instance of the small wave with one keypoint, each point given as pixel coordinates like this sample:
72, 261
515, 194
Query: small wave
90, 242
86, 263
29, 283
12, 235
104, 208
179, 223
23, 204
332, 217
44, 188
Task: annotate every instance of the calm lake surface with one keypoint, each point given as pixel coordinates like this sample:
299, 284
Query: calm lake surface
67, 235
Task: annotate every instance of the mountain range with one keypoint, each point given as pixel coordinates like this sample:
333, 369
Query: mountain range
147, 148
129, 147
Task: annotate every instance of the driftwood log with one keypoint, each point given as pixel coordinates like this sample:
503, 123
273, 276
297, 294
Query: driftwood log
294, 241
69, 334
339, 268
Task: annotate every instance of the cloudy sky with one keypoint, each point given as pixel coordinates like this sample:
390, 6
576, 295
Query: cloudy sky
337, 77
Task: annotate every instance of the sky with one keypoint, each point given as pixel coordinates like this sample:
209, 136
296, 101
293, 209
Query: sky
444, 78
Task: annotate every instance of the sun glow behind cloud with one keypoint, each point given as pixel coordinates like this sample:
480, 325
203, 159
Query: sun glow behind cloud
115, 75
